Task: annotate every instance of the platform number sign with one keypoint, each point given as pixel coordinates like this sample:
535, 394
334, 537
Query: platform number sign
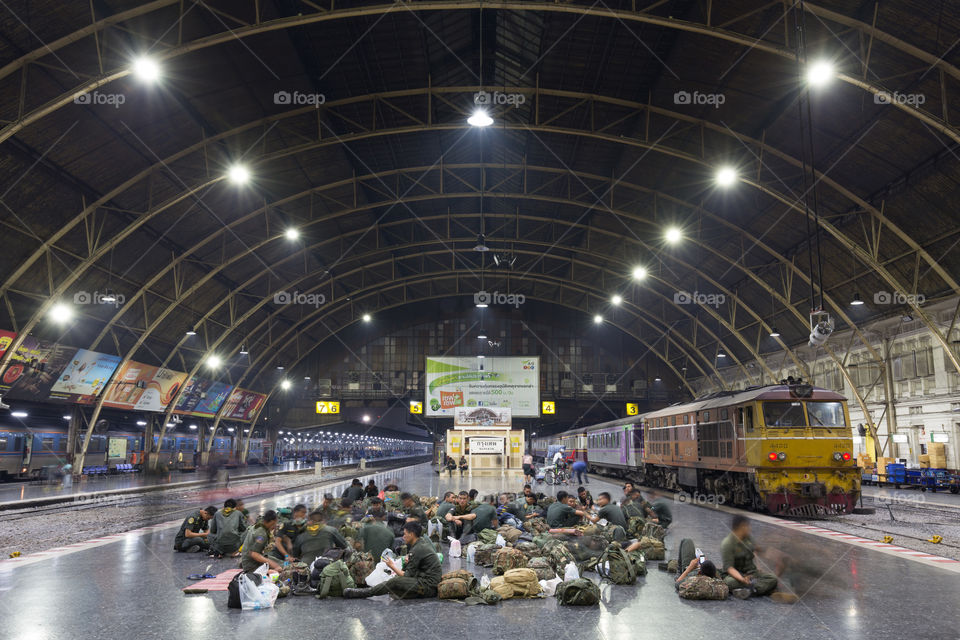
416, 407
325, 406
548, 407
633, 409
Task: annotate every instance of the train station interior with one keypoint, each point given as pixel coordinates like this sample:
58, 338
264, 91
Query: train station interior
694, 263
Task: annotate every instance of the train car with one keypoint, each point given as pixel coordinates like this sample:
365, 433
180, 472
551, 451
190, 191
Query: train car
786, 449
574, 444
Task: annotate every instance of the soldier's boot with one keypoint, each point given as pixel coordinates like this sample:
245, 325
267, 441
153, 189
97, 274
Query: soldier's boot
362, 592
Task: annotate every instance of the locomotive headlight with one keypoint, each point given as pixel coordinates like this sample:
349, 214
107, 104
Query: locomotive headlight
838, 456
781, 456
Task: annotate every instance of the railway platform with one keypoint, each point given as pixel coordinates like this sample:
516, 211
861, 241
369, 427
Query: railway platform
134, 581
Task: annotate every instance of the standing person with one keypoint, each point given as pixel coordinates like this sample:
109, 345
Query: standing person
740, 573
354, 491
67, 471
419, 578
580, 468
463, 465
529, 473
179, 459
193, 533
371, 489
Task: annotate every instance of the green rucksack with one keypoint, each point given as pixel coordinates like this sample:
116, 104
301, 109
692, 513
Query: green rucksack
616, 566
348, 531
558, 554
528, 549
635, 526
536, 526
581, 592
653, 530
334, 578
542, 539
487, 536
700, 587
484, 554
639, 562
652, 549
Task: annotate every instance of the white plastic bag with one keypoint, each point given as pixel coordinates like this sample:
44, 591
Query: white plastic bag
501, 541
454, 547
253, 596
434, 527
549, 587
571, 572
485, 581
471, 552
380, 573
262, 570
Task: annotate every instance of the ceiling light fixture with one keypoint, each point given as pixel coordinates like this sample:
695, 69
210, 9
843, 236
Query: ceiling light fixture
238, 174
480, 118
146, 69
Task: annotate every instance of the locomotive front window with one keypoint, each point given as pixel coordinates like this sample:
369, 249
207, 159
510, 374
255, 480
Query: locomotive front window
826, 414
783, 414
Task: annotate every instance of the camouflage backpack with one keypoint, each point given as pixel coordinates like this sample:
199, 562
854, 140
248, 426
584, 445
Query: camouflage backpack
391, 501
484, 554
510, 534
542, 539
487, 536
616, 566
456, 588
558, 554
653, 530
635, 526
296, 574
639, 562
536, 526
463, 574
361, 564
528, 549
348, 531
428, 502
581, 592
701, 587
652, 549
614, 533
542, 568
546, 501
506, 559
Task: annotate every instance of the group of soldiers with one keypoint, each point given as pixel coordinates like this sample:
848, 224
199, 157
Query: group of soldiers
371, 521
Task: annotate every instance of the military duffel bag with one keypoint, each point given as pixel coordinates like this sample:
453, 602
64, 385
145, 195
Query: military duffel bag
484, 554
542, 539
506, 559
528, 549
639, 562
487, 536
635, 526
542, 568
334, 578
524, 581
558, 554
510, 534
456, 588
361, 564
701, 587
536, 525
653, 530
463, 574
581, 592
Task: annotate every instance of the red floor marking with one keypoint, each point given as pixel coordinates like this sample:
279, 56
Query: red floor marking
219, 583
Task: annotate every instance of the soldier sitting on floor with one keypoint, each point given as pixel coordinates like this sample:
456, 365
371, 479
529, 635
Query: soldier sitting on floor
740, 571
374, 537
192, 536
226, 530
316, 539
256, 542
419, 578
287, 531
412, 510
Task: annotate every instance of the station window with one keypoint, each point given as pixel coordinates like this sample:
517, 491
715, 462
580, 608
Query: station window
705, 416
724, 414
4, 442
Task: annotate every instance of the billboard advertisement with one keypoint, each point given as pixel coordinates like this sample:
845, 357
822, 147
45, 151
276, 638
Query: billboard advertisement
84, 377
143, 387
34, 368
243, 405
482, 417
202, 397
6, 339
454, 382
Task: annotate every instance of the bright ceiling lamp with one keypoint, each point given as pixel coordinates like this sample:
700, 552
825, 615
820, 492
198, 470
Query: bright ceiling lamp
146, 69
285, 385
639, 273
480, 118
367, 317
616, 299
597, 319
820, 73
214, 362
673, 235
292, 233
774, 333
238, 174
725, 176
61, 313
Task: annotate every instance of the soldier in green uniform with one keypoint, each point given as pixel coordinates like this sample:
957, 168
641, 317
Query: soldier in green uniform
412, 510
530, 508
419, 577
375, 536
664, 515
563, 513
484, 517
226, 530
376, 508
461, 518
192, 536
740, 573
609, 511
287, 531
256, 542
316, 539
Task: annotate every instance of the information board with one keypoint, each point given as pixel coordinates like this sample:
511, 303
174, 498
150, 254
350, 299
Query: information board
465, 382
